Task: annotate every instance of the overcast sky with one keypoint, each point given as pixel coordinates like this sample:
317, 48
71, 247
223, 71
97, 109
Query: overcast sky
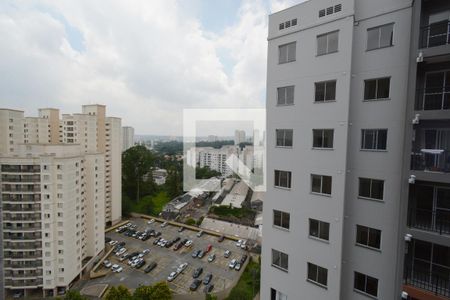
146, 60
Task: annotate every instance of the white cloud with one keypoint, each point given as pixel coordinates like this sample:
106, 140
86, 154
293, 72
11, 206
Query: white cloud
277, 5
146, 60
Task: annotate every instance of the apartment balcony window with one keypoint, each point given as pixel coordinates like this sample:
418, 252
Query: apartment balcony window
431, 150
281, 219
321, 184
435, 34
280, 260
374, 139
427, 267
283, 179
319, 229
327, 43
377, 89
317, 275
325, 91
284, 137
277, 295
323, 138
371, 188
430, 208
368, 237
380, 36
366, 284
436, 93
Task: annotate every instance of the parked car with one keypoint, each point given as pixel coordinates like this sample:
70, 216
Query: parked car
118, 270
197, 272
178, 246
176, 239
221, 238
208, 288
195, 284
107, 264
169, 244
237, 267
227, 254
182, 267
195, 253
238, 243
156, 241
172, 276
140, 264
207, 279
146, 237
200, 233
157, 233
181, 229
121, 244
243, 259
145, 251
201, 254
121, 251
188, 243
150, 267
115, 266
151, 221
164, 224
208, 248
112, 243
232, 264
211, 257
244, 245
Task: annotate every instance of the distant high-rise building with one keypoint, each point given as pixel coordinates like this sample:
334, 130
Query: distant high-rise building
239, 137
212, 138
358, 143
127, 137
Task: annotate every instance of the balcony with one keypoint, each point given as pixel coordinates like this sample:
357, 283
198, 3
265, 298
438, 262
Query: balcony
21, 188
9, 283
431, 160
21, 218
435, 221
438, 284
436, 34
21, 178
18, 199
23, 264
25, 227
21, 208
8, 246
433, 98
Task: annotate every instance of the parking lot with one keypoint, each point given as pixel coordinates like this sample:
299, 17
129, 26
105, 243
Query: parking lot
168, 260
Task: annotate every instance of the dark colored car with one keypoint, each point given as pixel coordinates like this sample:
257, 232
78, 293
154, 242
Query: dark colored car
150, 267
184, 241
107, 240
121, 244
146, 237
157, 233
207, 279
156, 241
169, 244
140, 264
221, 238
197, 272
178, 246
195, 284
195, 253
208, 288
151, 232
243, 259
176, 239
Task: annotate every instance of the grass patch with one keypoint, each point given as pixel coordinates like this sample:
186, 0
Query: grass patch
151, 205
226, 211
248, 285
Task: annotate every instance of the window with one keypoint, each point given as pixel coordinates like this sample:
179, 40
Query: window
368, 237
327, 43
325, 91
366, 284
294, 22
323, 138
319, 229
286, 53
321, 184
284, 137
371, 188
285, 95
374, 139
281, 219
376, 88
277, 295
380, 37
283, 179
317, 274
280, 259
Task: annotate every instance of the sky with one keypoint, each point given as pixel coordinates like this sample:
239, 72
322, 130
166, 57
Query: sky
145, 60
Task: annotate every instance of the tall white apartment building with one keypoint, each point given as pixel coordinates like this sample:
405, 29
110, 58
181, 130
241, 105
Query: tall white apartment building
357, 147
127, 137
52, 199
239, 137
216, 159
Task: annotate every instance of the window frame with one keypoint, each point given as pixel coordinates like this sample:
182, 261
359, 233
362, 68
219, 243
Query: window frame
279, 254
378, 28
282, 213
289, 179
319, 231
377, 130
284, 131
322, 130
326, 82
321, 185
285, 88
367, 244
370, 189
287, 53
327, 35
376, 89
366, 277
315, 281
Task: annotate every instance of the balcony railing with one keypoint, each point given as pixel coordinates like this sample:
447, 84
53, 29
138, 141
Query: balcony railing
25, 227
21, 188
437, 284
21, 218
20, 198
436, 34
435, 221
22, 246
21, 208
439, 161
433, 98
23, 265
23, 283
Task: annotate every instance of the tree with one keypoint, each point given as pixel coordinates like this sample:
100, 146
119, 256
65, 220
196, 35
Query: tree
143, 293
210, 297
174, 182
74, 295
161, 291
190, 222
205, 173
137, 162
118, 293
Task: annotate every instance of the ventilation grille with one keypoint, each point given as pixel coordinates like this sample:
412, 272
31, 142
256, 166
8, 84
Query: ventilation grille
330, 10
287, 24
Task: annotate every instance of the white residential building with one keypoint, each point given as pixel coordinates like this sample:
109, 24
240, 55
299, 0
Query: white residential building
239, 137
128, 137
216, 159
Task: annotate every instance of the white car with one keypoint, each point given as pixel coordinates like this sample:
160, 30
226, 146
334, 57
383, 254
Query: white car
112, 243
161, 241
118, 270
200, 233
164, 224
107, 264
188, 243
145, 251
172, 276
232, 264
151, 221
182, 267
239, 243
115, 266
244, 244
141, 255
121, 251
164, 243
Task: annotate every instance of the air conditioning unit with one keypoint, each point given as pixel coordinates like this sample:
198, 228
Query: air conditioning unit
419, 58
408, 237
416, 119
412, 179
405, 295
